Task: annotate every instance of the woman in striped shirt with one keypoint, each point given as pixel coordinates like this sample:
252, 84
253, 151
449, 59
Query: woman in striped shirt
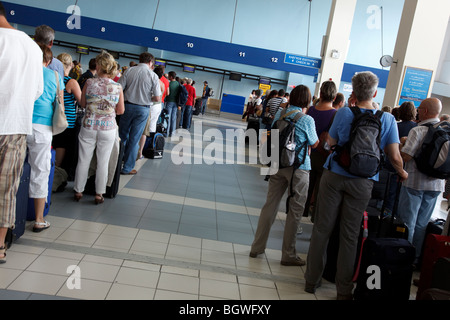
65, 142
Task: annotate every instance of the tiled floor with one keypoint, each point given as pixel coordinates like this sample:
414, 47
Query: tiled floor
174, 232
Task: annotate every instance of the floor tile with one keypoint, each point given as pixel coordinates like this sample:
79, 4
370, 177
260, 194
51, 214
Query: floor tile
178, 283
7, 276
249, 292
52, 265
98, 271
18, 260
172, 295
120, 291
176, 252
90, 290
137, 277
38, 283
78, 236
219, 289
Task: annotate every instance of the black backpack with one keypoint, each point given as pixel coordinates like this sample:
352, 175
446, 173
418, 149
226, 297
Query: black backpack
361, 155
433, 158
288, 151
182, 95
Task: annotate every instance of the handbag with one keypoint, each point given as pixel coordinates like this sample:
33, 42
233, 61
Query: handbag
59, 116
267, 119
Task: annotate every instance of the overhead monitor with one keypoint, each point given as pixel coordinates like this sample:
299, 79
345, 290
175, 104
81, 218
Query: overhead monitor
160, 63
187, 68
264, 81
235, 76
115, 54
82, 49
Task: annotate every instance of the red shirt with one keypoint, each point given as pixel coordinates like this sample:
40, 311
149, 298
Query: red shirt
166, 85
191, 98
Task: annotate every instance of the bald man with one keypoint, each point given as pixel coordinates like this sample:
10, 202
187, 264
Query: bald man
419, 193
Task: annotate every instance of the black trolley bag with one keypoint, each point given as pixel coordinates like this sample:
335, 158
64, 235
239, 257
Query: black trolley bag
386, 263
21, 207
113, 189
154, 146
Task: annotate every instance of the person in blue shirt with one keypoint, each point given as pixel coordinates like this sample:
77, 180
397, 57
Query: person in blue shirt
40, 141
294, 180
346, 196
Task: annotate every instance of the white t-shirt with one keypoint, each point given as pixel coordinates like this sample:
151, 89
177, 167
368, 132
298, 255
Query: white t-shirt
21, 81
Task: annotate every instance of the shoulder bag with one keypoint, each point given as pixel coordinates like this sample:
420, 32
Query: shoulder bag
59, 117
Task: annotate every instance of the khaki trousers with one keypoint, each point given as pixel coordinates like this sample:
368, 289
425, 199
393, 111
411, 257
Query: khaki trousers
349, 197
278, 184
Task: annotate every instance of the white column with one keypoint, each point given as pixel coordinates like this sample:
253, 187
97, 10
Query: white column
419, 43
336, 42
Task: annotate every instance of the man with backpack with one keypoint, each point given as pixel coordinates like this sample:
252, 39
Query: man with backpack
419, 193
343, 196
292, 176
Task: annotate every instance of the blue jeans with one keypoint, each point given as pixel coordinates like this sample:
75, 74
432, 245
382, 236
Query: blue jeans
415, 210
172, 109
204, 103
131, 127
186, 116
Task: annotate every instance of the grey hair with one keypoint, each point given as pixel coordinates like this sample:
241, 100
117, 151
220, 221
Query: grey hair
44, 34
365, 85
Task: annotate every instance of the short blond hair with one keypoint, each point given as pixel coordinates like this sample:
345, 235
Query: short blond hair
66, 59
106, 64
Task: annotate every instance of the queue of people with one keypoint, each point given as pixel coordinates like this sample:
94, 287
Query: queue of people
129, 107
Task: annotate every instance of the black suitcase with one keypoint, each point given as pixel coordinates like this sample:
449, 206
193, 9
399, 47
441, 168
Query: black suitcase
21, 207
113, 189
386, 270
197, 107
154, 146
253, 124
441, 274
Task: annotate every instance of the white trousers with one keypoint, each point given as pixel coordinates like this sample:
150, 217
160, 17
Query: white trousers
89, 141
39, 145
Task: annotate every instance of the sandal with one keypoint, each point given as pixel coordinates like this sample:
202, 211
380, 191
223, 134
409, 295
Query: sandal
3, 252
99, 199
77, 196
40, 226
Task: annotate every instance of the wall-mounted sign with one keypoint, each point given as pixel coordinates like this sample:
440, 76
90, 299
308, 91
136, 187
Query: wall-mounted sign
416, 85
82, 49
302, 61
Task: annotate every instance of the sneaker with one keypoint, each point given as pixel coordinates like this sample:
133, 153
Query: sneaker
344, 296
311, 288
297, 262
255, 254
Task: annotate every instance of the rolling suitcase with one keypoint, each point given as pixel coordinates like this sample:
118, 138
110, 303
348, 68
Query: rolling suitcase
31, 216
441, 274
113, 189
197, 107
21, 207
392, 260
436, 246
393, 255
154, 146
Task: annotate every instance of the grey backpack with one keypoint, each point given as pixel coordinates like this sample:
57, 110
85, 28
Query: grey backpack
287, 145
361, 155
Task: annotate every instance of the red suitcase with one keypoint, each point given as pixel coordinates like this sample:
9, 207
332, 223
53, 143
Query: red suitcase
436, 246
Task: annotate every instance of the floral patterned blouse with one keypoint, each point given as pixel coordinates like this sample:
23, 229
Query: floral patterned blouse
102, 96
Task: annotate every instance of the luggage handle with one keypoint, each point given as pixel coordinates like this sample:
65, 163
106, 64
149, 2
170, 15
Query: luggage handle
391, 175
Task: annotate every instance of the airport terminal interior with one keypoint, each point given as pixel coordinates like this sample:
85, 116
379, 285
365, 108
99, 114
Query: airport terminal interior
182, 227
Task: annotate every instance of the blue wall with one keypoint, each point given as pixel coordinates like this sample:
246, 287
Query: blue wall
260, 28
